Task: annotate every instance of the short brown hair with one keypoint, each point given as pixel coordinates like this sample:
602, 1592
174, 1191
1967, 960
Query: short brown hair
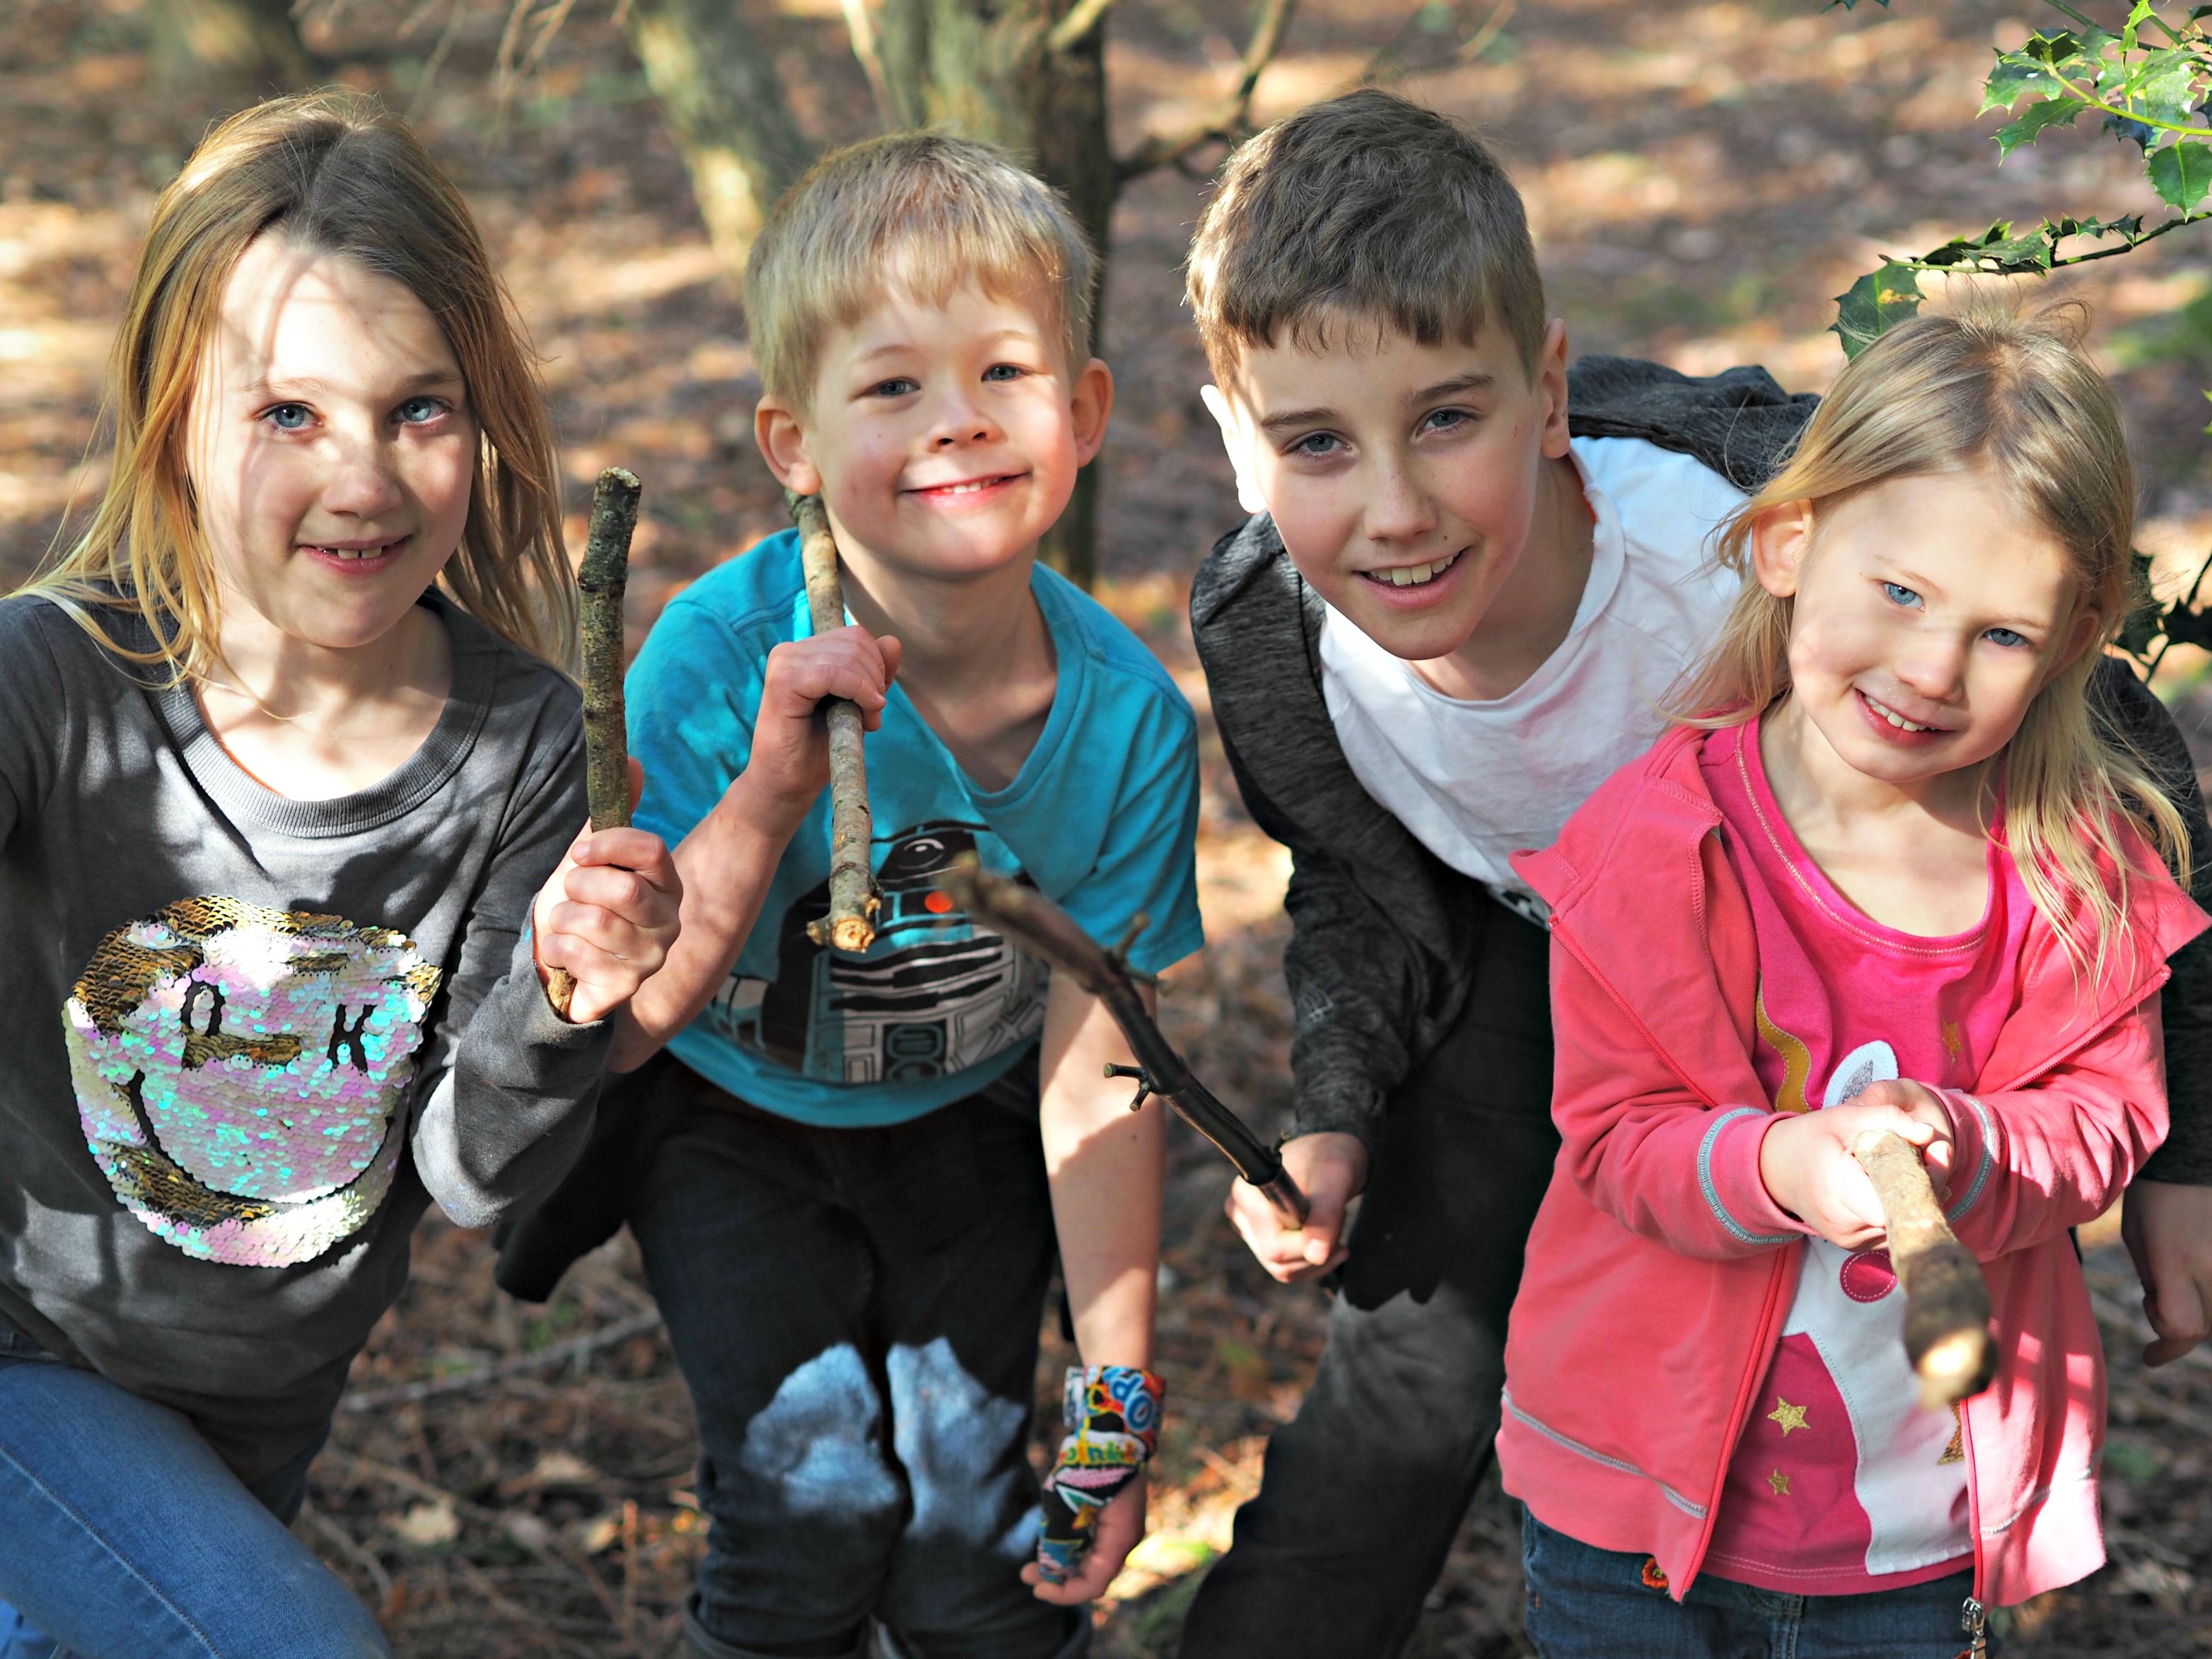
918, 209
1367, 209
333, 172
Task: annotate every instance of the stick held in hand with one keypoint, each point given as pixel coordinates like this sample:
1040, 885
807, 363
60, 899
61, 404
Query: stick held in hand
850, 924
601, 580
1034, 924
1946, 1316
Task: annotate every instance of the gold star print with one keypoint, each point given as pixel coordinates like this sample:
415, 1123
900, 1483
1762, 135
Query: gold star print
1791, 1418
1780, 1482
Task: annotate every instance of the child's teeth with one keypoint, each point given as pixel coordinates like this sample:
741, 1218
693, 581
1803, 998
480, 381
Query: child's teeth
1413, 576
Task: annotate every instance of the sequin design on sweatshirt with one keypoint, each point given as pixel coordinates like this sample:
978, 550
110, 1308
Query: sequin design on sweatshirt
241, 1073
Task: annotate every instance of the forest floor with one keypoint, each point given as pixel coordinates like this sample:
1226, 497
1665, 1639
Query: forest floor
1702, 176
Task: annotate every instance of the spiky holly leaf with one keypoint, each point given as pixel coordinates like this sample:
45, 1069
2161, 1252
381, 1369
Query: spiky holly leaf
1874, 305
1997, 251
2144, 622
2181, 173
2016, 77
2164, 85
2035, 120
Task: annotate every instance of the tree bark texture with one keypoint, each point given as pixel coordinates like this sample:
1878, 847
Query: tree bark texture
248, 39
713, 70
850, 924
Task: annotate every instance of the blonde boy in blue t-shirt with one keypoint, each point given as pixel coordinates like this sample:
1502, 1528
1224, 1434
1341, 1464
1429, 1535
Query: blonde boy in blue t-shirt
851, 1221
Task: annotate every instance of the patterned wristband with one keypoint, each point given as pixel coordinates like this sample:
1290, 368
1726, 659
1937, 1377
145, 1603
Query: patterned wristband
1113, 1416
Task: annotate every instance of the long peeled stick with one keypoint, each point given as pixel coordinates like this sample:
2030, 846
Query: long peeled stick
850, 924
1947, 1312
601, 582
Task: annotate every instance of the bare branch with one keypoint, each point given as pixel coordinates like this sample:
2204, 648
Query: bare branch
1229, 121
1383, 67
1084, 16
860, 29
421, 102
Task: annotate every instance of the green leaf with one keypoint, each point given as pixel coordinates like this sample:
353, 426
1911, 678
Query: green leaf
2035, 120
1874, 305
2164, 88
2016, 76
1997, 251
2181, 173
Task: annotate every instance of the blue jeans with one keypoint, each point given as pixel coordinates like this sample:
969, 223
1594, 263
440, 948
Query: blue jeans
123, 1536
1586, 1603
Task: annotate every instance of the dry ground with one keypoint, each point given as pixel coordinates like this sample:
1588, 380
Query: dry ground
1702, 176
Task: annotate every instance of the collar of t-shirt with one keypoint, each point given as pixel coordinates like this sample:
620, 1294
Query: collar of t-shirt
1476, 781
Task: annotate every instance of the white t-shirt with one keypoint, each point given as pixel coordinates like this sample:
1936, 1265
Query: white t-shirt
1478, 781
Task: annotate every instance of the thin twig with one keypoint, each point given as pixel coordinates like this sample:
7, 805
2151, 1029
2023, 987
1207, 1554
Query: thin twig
1084, 16
354, 1550
545, 1358
502, 68
546, 31
421, 102
1379, 68
629, 1572
1229, 120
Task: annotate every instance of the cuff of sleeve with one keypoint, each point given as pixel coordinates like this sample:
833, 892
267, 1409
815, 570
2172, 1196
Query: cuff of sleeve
1974, 1151
1342, 1111
1729, 1180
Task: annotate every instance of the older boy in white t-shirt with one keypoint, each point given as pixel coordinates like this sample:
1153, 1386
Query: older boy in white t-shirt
1457, 611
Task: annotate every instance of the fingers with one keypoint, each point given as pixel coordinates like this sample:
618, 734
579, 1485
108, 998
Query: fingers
1289, 1256
848, 663
609, 916
1120, 1525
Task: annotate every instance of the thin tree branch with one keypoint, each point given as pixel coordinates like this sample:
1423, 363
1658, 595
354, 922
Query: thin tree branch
860, 29
1229, 121
421, 102
1380, 70
555, 1354
1084, 16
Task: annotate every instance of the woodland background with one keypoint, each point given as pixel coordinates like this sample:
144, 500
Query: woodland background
1703, 176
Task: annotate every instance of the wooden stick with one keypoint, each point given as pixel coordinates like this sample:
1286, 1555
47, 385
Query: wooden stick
1947, 1317
602, 579
850, 924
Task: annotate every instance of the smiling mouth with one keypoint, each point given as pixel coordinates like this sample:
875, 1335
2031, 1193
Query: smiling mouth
1412, 576
356, 555
1893, 716
969, 487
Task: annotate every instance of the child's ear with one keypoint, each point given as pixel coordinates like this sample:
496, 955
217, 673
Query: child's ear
783, 441
1780, 538
1552, 388
1091, 405
1235, 440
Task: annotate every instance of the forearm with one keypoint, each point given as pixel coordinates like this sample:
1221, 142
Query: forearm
1106, 1165
727, 863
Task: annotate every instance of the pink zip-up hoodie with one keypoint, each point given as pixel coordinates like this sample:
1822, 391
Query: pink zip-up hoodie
1660, 1272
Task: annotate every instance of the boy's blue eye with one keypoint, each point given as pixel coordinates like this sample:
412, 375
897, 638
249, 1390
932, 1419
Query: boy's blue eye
287, 417
416, 410
2006, 637
1445, 420
1003, 372
1317, 443
1899, 595
899, 385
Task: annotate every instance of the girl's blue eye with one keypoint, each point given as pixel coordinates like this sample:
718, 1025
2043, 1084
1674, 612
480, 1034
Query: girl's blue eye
1317, 444
898, 386
1445, 420
287, 417
1003, 372
2005, 637
1899, 595
417, 410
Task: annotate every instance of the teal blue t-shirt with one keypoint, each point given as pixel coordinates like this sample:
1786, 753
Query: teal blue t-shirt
1102, 818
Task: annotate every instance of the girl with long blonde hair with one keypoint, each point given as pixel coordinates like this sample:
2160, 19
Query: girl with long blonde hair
291, 788
1887, 874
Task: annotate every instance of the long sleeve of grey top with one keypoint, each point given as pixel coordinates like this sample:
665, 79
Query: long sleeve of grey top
250, 1037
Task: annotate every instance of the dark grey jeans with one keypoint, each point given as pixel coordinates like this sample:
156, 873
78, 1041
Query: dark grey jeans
1364, 1490
856, 1313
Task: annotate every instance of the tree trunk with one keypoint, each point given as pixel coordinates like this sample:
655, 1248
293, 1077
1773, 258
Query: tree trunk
715, 76
248, 39
983, 69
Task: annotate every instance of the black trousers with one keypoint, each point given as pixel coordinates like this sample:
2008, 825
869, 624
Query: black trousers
1364, 1490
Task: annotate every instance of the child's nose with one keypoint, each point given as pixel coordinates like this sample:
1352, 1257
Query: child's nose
363, 484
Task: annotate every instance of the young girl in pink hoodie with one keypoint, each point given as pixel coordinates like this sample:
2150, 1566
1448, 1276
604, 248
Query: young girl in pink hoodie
1898, 881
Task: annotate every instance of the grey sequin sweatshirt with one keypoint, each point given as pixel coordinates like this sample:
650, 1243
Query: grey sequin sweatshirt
249, 1038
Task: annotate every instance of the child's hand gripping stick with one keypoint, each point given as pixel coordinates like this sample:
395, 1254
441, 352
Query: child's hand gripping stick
850, 924
1947, 1317
1034, 924
602, 580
